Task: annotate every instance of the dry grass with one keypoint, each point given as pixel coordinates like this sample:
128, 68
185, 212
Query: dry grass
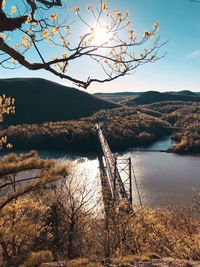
82, 262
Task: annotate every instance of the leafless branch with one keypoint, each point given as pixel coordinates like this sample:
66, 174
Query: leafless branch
117, 55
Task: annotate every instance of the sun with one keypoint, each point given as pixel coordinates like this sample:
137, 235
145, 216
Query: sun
101, 35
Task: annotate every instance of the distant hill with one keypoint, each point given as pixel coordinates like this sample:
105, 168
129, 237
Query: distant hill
131, 98
185, 92
39, 100
117, 94
154, 96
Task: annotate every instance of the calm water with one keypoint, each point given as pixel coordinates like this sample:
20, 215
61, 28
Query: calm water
163, 178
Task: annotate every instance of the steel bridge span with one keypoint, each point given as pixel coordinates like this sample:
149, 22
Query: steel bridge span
117, 176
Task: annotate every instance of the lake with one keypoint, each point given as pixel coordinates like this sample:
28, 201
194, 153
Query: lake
163, 178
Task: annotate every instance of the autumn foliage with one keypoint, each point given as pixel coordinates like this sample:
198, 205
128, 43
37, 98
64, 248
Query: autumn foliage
66, 224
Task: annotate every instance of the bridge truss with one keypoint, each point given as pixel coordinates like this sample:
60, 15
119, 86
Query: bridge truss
117, 176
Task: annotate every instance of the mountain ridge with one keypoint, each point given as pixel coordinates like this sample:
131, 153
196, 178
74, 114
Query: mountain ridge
39, 100
155, 96
148, 97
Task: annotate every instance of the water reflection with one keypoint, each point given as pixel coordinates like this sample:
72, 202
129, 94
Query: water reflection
163, 178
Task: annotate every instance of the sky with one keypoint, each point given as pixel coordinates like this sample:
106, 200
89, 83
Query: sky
180, 68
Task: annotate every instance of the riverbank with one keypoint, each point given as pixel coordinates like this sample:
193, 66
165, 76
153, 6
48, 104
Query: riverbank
123, 128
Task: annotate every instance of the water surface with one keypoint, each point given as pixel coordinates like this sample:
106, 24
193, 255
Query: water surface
163, 178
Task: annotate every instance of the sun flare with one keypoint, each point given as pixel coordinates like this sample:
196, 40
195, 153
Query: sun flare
101, 35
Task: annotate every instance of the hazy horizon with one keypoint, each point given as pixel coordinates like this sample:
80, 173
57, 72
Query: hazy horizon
135, 90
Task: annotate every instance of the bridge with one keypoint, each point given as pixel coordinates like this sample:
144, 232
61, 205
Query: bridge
117, 179
117, 176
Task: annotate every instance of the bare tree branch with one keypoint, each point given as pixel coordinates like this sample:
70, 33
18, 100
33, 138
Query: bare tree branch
47, 171
118, 55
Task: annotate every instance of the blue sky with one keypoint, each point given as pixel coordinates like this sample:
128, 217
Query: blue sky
179, 70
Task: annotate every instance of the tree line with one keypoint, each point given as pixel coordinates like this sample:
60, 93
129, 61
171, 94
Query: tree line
123, 127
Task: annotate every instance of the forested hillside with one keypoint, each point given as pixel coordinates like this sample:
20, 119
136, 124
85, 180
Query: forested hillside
39, 100
123, 127
183, 115
52, 116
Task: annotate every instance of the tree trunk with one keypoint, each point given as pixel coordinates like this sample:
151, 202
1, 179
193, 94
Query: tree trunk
70, 239
6, 255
